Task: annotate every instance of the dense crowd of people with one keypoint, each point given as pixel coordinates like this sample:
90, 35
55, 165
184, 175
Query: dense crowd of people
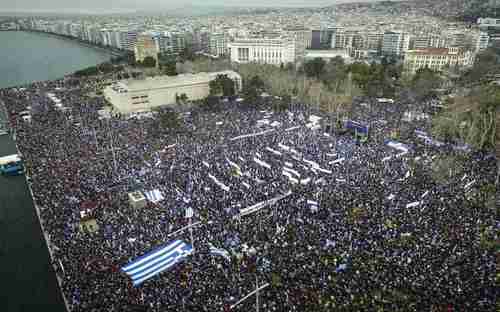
364, 226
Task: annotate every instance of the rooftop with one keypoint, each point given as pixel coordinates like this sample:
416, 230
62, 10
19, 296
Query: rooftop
434, 51
134, 85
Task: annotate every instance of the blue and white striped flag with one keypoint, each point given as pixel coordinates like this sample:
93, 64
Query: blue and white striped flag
219, 252
157, 261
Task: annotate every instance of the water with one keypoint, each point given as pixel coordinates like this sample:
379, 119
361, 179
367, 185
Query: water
27, 57
27, 280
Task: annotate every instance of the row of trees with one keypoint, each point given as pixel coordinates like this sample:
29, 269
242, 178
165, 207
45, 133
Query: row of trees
473, 116
222, 86
104, 68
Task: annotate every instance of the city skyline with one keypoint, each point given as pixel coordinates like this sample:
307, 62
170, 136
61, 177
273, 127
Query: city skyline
130, 6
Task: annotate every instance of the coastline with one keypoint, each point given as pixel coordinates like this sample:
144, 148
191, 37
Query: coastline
112, 51
46, 236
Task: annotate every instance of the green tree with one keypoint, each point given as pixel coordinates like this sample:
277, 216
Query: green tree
149, 61
425, 82
314, 68
253, 89
169, 68
222, 85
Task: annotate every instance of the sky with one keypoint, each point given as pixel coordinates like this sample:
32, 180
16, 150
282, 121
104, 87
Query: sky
109, 6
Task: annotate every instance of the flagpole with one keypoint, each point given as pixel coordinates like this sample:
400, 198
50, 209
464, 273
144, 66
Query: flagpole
257, 292
191, 233
184, 228
249, 295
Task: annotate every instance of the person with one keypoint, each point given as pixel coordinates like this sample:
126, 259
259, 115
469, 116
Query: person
345, 237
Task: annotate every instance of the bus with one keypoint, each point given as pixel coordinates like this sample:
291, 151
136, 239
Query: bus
11, 165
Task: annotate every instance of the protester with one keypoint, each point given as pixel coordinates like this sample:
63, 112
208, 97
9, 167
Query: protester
354, 227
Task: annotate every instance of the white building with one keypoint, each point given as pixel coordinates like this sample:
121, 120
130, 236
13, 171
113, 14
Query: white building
128, 39
140, 95
488, 22
482, 41
395, 43
145, 47
328, 55
302, 38
275, 51
437, 59
218, 44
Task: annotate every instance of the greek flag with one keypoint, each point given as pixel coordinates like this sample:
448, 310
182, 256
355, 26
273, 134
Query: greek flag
219, 252
157, 261
154, 196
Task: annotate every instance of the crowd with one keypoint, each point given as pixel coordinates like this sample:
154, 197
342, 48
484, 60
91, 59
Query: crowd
365, 226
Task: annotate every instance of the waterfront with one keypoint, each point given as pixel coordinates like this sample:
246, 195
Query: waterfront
33, 57
30, 281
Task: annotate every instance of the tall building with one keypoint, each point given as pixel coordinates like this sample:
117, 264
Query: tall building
170, 43
374, 41
395, 43
128, 39
218, 44
302, 38
487, 23
316, 39
457, 40
275, 51
482, 41
145, 47
437, 58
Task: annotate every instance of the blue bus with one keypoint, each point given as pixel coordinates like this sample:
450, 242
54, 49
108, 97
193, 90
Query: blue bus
11, 165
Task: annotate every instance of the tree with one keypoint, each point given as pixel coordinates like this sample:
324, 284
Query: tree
314, 68
424, 83
222, 85
211, 103
170, 68
169, 119
181, 99
149, 61
253, 89
486, 63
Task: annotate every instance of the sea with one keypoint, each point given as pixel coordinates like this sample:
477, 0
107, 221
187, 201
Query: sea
27, 279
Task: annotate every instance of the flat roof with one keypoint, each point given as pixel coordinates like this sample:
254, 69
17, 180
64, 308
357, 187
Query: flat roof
134, 85
441, 51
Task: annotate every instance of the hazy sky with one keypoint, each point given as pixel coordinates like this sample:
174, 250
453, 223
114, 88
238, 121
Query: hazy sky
125, 5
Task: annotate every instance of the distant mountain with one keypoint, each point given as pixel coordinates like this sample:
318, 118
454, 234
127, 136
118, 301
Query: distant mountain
465, 10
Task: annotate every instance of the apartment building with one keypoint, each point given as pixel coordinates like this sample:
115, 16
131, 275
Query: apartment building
482, 41
302, 38
437, 59
218, 44
395, 43
145, 47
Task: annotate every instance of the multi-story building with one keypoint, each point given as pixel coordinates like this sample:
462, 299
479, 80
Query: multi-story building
302, 38
482, 41
275, 51
487, 23
218, 44
374, 41
145, 47
395, 43
457, 40
437, 58
128, 39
